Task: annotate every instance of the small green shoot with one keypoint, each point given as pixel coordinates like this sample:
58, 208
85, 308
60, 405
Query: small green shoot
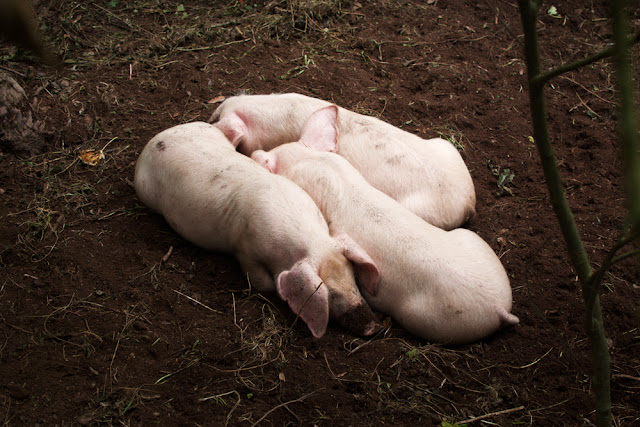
126, 408
181, 10
504, 178
553, 12
454, 136
307, 61
413, 354
383, 387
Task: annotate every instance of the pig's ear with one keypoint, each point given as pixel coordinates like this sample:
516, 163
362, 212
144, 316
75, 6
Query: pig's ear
264, 159
233, 128
307, 295
366, 272
320, 131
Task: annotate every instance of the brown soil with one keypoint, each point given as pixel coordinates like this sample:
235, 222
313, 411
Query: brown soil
109, 317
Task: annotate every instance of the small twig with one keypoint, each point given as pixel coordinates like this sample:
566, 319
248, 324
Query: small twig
215, 47
588, 108
493, 414
67, 168
24, 76
235, 318
550, 406
375, 370
6, 417
226, 423
197, 302
363, 344
329, 367
244, 369
528, 365
300, 399
166, 256
54, 312
587, 90
107, 144
625, 376
217, 396
164, 378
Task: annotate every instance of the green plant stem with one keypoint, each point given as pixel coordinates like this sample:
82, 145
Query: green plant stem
545, 77
611, 259
628, 116
538, 107
588, 281
625, 256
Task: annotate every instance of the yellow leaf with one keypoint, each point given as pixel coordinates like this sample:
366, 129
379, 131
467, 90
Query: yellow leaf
91, 157
216, 100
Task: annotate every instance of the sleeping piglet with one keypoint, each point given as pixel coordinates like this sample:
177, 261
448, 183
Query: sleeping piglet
444, 286
221, 200
428, 177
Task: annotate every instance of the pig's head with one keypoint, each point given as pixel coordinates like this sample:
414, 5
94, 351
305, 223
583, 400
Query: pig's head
319, 133
316, 294
338, 271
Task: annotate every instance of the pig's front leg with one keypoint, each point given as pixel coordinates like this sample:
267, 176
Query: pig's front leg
258, 276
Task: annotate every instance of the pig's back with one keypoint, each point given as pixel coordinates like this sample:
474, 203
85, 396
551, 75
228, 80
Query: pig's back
429, 177
390, 233
186, 174
215, 197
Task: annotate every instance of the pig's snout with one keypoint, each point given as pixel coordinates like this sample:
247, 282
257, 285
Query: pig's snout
359, 320
264, 159
215, 116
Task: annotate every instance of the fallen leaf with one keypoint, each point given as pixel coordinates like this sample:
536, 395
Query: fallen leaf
553, 12
215, 100
91, 157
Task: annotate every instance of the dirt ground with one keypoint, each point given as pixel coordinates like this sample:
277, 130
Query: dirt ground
109, 317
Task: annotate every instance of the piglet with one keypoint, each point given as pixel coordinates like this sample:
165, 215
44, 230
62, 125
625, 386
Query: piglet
444, 286
428, 177
223, 201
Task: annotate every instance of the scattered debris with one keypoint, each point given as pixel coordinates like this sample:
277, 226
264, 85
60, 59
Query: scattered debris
20, 133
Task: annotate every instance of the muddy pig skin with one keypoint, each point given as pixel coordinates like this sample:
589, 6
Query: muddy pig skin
428, 177
443, 286
221, 200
